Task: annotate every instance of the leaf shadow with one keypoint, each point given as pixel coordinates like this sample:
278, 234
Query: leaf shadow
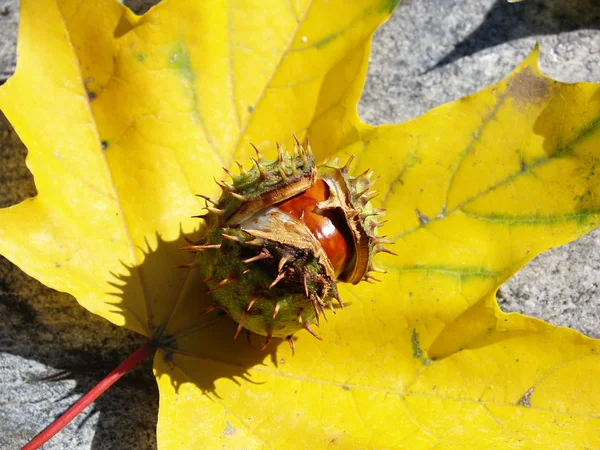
179, 297
40, 324
476, 327
506, 22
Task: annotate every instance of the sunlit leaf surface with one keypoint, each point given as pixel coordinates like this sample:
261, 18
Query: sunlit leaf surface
127, 117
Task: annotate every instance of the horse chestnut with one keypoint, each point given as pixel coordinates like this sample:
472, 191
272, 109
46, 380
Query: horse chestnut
281, 236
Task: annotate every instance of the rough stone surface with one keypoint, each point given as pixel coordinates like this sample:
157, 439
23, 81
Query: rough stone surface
9, 16
431, 51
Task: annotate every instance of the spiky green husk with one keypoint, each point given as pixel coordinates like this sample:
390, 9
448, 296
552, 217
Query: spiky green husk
352, 196
269, 288
268, 272
266, 183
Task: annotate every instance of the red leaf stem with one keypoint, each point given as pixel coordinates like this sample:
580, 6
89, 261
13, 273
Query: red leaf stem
132, 360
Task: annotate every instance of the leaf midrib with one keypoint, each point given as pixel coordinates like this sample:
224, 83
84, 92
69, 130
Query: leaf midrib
568, 149
345, 386
284, 54
117, 200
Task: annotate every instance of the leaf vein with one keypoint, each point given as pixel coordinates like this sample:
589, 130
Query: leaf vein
132, 252
378, 389
269, 81
469, 147
584, 133
230, 61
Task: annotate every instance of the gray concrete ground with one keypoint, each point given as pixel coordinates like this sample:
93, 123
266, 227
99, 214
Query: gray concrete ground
431, 51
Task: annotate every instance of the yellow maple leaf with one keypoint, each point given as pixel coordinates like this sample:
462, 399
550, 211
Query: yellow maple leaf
127, 117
